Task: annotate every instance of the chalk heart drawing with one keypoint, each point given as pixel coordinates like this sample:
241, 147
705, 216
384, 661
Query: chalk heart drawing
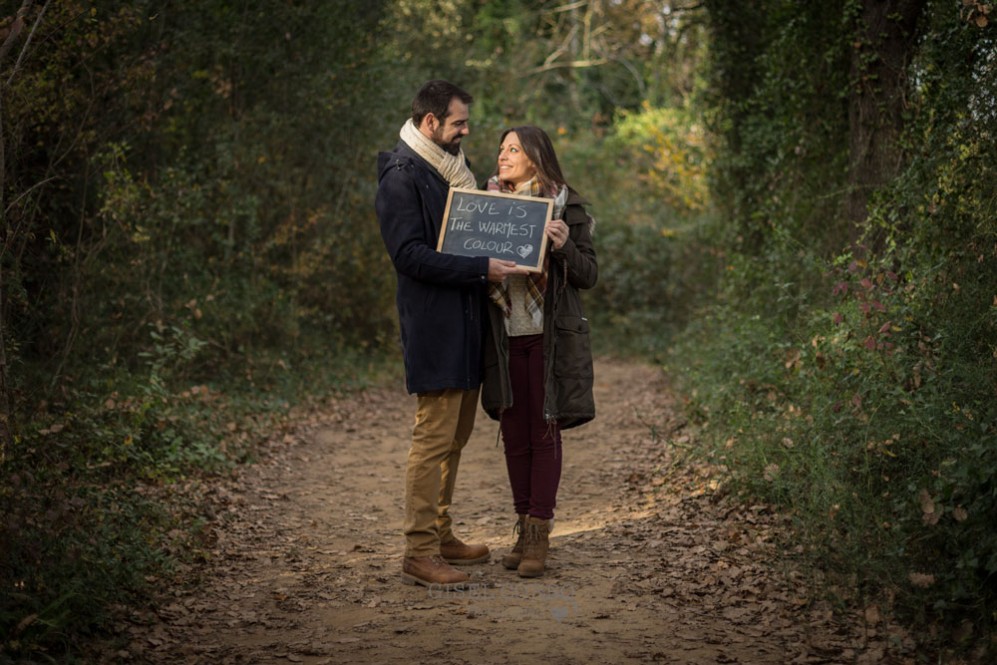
524, 250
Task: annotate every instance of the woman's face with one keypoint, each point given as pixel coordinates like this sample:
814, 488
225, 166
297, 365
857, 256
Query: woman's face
514, 167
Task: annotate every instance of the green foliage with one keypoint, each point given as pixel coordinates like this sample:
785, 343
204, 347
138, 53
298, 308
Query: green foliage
187, 245
78, 549
650, 279
668, 146
850, 374
939, 234
189, 200
100, 497
778, 83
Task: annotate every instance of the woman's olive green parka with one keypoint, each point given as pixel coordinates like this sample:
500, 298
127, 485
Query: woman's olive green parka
567, 349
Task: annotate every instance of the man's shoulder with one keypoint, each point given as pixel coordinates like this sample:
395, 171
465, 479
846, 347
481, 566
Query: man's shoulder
395, 158
401, 158
409, 165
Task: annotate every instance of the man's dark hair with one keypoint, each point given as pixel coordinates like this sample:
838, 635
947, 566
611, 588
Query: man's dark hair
434, 97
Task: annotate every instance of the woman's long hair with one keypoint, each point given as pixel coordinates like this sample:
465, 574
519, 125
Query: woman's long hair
537, 146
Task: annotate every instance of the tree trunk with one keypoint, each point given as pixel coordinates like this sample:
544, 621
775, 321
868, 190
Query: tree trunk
885, 37
5, 398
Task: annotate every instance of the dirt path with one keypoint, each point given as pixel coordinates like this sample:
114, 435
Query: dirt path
648, 564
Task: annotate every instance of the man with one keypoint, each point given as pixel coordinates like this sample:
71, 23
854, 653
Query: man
440, 300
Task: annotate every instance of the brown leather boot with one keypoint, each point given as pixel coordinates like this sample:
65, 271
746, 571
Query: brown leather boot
432, 571
512, 559
535, 546
458, 553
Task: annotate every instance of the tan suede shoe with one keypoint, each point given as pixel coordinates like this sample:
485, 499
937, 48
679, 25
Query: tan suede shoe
461, 554
432, 571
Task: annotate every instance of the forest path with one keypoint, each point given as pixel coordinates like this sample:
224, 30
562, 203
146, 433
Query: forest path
648, 563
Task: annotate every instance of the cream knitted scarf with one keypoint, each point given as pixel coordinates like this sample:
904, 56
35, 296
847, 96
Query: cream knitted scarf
453, 168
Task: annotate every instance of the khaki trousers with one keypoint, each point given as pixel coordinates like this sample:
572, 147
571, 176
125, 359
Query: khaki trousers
443, 423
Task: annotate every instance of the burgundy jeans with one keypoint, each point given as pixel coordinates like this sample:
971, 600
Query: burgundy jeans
532, 446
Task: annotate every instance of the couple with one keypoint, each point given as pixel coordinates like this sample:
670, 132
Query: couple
473, 325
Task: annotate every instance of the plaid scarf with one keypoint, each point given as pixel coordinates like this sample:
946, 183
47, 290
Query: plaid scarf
536, 283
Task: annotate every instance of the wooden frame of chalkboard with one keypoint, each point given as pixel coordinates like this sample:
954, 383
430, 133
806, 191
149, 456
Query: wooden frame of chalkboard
496, 225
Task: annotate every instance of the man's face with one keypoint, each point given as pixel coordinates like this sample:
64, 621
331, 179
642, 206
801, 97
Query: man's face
448, 134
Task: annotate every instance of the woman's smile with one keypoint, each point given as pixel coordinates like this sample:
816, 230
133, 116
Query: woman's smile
514, 167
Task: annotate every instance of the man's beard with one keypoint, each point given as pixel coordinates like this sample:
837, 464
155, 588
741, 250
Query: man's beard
453, 147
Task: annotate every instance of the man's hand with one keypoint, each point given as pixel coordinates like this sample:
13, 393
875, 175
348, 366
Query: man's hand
498, 270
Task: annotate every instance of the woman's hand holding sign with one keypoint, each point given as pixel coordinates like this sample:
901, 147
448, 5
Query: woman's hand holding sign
557, 231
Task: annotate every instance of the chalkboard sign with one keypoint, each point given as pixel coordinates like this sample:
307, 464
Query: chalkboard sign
499, 226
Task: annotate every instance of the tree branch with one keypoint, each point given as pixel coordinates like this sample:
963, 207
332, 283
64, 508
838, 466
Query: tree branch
688, 8
569, 7
15, 30
27, 42
572, 64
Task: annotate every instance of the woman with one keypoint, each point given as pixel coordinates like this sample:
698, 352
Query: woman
538, 361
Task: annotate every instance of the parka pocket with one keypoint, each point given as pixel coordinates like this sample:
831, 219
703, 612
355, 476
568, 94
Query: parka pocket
573, 348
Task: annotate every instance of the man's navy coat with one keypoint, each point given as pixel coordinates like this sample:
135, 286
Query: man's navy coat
440, 297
